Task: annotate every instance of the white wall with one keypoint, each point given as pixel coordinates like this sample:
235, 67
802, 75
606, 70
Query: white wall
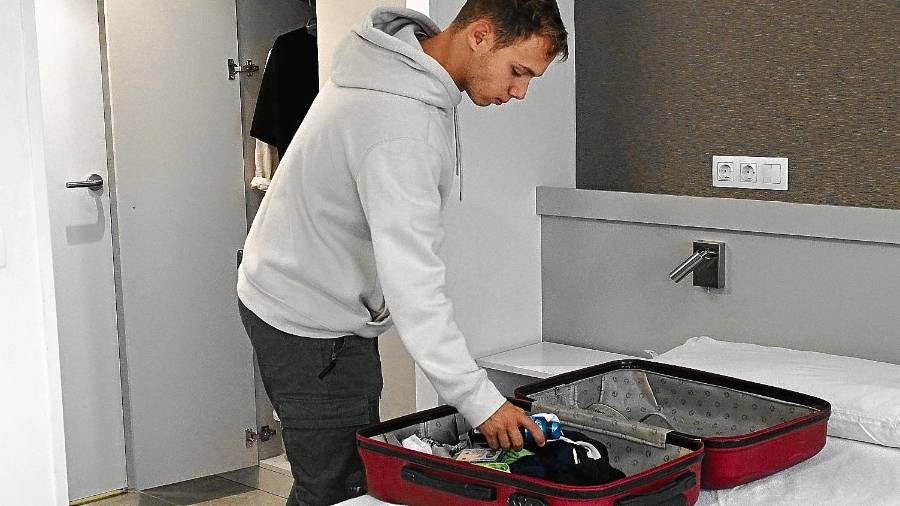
493, 235
419, 5
33, 469
335, 18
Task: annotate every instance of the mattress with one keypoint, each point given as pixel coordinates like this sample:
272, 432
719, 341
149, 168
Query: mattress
844, 472
368, 500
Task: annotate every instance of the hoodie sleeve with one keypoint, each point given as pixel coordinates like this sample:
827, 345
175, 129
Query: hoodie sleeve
398, 188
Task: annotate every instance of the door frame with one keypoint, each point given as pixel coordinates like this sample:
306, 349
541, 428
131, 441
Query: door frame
49, 375
75, 143
43, 454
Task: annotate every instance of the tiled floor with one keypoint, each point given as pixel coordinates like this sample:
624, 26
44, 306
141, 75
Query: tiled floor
210, 491
278, 464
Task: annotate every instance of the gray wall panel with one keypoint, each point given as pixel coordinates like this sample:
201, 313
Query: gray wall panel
605, 287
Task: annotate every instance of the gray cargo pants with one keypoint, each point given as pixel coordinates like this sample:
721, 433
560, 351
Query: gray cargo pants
323, 390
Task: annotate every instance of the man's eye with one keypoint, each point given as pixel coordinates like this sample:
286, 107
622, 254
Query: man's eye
516, 72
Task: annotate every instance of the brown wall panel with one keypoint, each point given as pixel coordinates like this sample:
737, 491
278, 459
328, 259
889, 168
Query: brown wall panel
664, 86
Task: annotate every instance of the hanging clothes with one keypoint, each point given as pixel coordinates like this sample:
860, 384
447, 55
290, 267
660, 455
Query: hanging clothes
289, 85
265, 160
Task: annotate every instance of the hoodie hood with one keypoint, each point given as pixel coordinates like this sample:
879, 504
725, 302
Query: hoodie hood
384, 54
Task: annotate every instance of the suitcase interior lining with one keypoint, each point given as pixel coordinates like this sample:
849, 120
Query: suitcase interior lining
690, 407
628, 456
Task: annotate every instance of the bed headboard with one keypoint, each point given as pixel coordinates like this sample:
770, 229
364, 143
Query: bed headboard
808, 277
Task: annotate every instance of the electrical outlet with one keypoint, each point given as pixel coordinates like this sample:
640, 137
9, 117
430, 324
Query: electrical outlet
724, 171
751, 172
748, 172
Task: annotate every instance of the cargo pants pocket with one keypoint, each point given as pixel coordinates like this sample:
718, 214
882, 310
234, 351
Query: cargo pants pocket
320, 441
326, 413
320, 413
320, 431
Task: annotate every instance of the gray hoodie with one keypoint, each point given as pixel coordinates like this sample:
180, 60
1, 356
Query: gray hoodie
346, 239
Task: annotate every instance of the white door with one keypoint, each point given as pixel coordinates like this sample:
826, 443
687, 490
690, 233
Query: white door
176, 129
68, 38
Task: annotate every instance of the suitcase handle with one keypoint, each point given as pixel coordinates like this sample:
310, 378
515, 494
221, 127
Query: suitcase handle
518, 499
468, 490
670, 495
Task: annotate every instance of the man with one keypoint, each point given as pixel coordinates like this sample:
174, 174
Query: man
344, 244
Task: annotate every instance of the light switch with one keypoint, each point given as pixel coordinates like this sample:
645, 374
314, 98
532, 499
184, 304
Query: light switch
776, 173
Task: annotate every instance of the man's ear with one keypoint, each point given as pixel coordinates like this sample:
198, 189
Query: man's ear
481, 35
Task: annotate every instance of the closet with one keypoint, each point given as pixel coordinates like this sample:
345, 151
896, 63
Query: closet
181, 117
259, 24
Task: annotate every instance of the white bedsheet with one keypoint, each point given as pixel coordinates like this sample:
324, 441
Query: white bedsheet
365, 500
845, 472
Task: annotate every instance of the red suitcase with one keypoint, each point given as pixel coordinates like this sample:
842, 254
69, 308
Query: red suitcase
654, 476
749, 430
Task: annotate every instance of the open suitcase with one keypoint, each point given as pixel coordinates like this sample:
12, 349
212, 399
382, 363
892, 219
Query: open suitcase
665, 472
749, 430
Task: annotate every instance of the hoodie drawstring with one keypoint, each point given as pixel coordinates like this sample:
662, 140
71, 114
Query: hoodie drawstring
458, 143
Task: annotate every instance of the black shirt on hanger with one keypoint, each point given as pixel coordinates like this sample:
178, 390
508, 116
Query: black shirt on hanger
289, 85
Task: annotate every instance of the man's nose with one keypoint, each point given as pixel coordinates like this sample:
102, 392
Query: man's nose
519, 91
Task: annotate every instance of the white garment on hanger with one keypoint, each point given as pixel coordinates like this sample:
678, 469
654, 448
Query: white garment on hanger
266, 157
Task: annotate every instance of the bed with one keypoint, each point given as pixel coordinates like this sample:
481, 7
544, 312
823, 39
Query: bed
845, 472
860, 464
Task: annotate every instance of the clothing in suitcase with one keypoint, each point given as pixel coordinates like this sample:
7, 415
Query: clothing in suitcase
667, 473
749, 430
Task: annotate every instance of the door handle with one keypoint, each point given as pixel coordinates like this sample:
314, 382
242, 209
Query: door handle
94, 183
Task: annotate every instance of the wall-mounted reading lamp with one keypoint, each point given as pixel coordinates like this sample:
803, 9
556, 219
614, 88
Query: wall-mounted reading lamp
707, 263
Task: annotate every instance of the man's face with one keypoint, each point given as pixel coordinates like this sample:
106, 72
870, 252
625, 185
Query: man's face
495, 77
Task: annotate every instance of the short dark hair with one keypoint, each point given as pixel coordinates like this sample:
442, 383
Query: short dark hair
517, 20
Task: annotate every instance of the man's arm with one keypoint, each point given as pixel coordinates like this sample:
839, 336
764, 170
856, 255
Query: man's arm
398, 187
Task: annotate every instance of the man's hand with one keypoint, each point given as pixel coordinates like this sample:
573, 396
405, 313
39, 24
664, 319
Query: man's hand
502, 428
